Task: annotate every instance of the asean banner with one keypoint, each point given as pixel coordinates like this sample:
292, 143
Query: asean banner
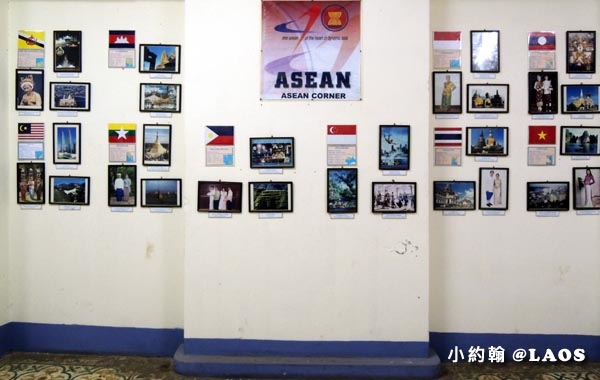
311, 50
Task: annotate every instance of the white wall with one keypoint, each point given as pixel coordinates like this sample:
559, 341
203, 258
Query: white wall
516, 273
4, 173
94, 266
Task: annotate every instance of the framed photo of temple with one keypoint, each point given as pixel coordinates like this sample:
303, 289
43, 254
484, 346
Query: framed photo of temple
69, 190
29, 92
543, 92
394, 197
272, 152
485, 51
122, 185
579, 141
487, 98
219, 196
586, 190
31, 183
581, 52
70, 96
270, 196
66, 143
454, 195
157, 145
160, 97
487, 141
548, 196
342, 190
67, 51
394, 147
160, 192
158, 58
493, 188
580, 98
447, 92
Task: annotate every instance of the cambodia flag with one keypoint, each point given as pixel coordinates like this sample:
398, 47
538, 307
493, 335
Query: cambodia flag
341, 134
542, 41
542, 134
221, 135
121, 39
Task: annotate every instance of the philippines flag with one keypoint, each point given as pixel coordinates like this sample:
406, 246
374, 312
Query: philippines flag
31, 131
542, 134
448, 136
542, 41
341, 134
221, 135
446, 41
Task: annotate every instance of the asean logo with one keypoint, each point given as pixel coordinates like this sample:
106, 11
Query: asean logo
334, 18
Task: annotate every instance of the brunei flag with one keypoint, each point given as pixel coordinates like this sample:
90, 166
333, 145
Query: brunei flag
221, 135
121, 133
542, 134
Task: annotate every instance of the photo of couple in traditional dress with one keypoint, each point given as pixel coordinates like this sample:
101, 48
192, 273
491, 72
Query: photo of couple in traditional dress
493, 193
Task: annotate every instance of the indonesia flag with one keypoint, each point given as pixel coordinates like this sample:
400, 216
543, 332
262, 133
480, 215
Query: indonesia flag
221, 135
542, 41
542, 134
448, 137
446, 41
341, 134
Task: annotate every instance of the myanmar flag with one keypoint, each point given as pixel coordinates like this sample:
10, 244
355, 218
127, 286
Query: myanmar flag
121, 133
542, 134
222, 135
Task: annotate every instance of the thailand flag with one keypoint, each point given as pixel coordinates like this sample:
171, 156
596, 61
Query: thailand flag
446, 41
448, 137
221, 135
341, 134
542, 41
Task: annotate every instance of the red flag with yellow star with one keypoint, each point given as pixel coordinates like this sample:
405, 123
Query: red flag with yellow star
542, 134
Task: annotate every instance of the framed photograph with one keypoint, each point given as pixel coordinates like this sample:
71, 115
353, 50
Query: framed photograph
68, 190
394, 197
217, 196
67, 51
70, 96
581, 52
493, 188
487, 98
66, 143
447, 92
272, 152
485, 51
29, 90
394, 147
270, 196
157, 145
487, 141
579, 141
342, 190
454, 195
157, 58
159, 193
543, 99
548, 196
579, 98
122, 185
31, 183
586, 190
160, 97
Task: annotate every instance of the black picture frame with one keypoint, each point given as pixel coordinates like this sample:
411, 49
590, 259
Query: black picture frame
210, 201
487, 98
580, 98
342, 190
579, 141
548, 196
157, 145
122, 186
543, 95
160, 58
29, 90
69, 190
67, 51
581, 52
493, 188
447, 92
586, 189
394, 147
271, 196
70, 96
272, 152
160, 192
31, 179
485, 51
160, 97
66, 143
394, 197
454, 195
487, 141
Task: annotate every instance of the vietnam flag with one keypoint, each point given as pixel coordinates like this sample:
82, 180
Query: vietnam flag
121, 133
542, 134
341, 134
219, 135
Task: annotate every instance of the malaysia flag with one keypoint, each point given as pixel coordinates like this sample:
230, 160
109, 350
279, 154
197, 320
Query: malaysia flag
446, 41
448, 136
542, 134
542, 41
219, 135
341, 134
31, 131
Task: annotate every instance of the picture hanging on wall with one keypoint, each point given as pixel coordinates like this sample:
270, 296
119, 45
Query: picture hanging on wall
122, 185
342, 190
160, 193
586, 190
580, 98
581, 52
157, 145
493, 188
70, 96
579, 141
272, 152
548, 196
69, 190
31, 183
158, 58
487, 141
485, 51
543, 94
447, 92
29, 90
217, 196
394, 147
160, 97
67, 51
487, 98
67, 143
454, 195
270, 196
394, 197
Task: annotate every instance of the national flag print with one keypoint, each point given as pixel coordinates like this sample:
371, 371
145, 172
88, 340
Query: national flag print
219, 135
542, 41
31, 39
121, 39
341, 134
31, 131
446, 41
121, 133
542, 134
451, 136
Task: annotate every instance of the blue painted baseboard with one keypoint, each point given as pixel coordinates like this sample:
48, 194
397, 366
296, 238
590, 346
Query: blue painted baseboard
4, 348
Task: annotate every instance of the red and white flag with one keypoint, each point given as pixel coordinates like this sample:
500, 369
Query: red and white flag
446, 41
341, 134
